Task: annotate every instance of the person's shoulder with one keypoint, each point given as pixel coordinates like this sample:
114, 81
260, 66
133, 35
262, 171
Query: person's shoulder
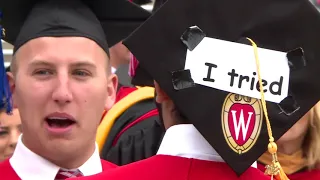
305, 175
7, 172
160, 167
204, 169
157, 167
5, 165
255, 173
168, 167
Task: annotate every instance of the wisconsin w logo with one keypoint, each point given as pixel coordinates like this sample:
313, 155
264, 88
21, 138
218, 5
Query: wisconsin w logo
241, 122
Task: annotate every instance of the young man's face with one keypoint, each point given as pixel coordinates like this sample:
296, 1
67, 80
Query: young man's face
61, 87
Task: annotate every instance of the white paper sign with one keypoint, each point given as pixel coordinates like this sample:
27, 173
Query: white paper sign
231, 67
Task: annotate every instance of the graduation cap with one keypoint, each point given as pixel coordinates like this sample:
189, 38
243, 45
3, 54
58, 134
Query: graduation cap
139, 76
141, 2
158, 4
204, 35
106, 22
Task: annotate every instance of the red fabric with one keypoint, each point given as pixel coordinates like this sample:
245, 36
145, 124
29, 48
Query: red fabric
306, 175
7, 172
106, 165
149, 114
123, 92
133, 66
162, 167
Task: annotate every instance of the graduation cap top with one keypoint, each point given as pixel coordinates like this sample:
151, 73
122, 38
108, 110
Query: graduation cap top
104, 21
140, 76
289, 29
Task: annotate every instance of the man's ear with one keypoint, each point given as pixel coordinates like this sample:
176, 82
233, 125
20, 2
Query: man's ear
10, 77
161, 95
112, 91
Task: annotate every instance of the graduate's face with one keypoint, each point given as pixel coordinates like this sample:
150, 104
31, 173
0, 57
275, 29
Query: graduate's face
61, 88
10, 129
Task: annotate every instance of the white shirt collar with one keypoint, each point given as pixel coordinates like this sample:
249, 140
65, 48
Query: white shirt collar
185, 140
30, 166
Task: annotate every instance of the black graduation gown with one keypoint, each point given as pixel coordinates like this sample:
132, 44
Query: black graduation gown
126, 145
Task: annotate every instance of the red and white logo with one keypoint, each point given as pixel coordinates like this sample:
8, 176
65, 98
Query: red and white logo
241, 122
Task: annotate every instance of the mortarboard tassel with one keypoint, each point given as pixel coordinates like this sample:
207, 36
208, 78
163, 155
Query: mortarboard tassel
5, 94
274, 169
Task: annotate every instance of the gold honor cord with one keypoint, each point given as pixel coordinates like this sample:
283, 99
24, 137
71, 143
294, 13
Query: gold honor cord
274, 169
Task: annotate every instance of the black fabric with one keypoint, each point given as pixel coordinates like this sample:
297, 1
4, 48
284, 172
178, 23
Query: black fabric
158, 4
106, 22
142, 78
141, 2
282, 25
138, 142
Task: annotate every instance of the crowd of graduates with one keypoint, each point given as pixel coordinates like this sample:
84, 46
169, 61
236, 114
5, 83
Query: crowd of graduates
95, 90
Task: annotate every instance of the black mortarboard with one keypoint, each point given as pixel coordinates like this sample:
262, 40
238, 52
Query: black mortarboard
141, 2
106, 22
158, 4
282, 25
140, 77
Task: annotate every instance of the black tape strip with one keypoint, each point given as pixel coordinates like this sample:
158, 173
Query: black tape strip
192, 37
289, 105
296, 59
182, 79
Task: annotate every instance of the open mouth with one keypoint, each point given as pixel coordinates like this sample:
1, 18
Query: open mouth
59, 122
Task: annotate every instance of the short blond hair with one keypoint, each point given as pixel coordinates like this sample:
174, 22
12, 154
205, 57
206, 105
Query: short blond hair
13, 64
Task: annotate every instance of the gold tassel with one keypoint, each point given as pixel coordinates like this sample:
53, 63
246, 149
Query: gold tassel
274, 169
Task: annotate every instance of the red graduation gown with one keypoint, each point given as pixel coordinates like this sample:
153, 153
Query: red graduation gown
8, 173
164, 167
304, 175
